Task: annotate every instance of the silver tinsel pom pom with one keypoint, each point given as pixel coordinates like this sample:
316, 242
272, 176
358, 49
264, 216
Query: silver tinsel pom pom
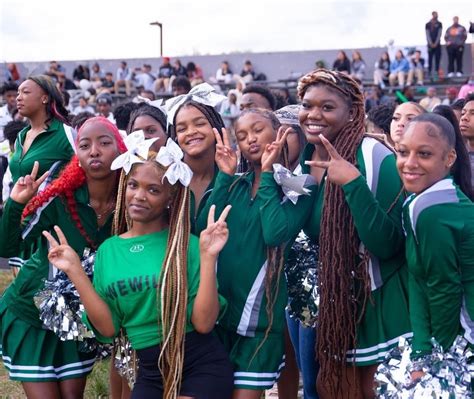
125, 359
446, 373
301, 272
60, 307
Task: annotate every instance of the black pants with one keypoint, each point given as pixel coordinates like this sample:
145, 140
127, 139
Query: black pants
436, 54
455, 54
207, 370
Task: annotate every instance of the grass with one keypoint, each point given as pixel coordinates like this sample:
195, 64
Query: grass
97, 382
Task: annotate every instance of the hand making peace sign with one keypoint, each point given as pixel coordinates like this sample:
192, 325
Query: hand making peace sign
226, 158
214, 237
272, 151
339, 171
61, 255
26, 187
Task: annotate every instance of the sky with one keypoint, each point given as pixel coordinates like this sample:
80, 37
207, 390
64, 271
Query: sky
43, 30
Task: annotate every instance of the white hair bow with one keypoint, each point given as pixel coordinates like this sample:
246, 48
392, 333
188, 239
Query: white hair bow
203, 93
171, 156
292, 186
137, 151
160, 103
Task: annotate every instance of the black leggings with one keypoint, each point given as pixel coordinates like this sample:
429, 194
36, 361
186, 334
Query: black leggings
207, 370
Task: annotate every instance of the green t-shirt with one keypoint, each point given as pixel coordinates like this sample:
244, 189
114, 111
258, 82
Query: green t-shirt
126, 275
439, 223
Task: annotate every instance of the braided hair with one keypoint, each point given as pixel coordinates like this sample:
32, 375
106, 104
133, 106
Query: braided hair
55, 106
172, 291
344, 282
209, 112
70, 179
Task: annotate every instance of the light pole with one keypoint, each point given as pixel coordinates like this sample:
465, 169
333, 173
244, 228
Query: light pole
160, 25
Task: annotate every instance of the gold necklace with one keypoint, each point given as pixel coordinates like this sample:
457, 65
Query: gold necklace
100, 215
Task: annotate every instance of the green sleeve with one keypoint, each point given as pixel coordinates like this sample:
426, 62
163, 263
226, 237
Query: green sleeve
11, 227
281, 221
466, 259
439, 282
99, 286
219, 197
380, 231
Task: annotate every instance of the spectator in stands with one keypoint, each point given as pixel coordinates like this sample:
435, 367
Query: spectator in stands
230, 111
342, 63
79, 73
104, 106
417, 68
382, 70
467, 88
12, 73
457, 107
122, 115
108, 84
247, 74
9, 92
455, 38
433, 30
195, 74
147, 94
83, 106
466, 125
256, 96
56, 70
179, 69
374, 97
357, 66
224, 74
123, 78
398, 69
97, 75
451, 95
166, 70
181, 85
285, 93
431, 100
144, 78
64, 83
78, 120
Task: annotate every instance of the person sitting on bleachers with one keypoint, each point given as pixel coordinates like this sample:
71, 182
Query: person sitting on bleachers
382, 70
165, 72
357, 66
417, 68
431, 100
398, 69
342, 63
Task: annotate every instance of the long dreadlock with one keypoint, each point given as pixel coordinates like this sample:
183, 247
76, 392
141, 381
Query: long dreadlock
172, 291
344, 282
275, 255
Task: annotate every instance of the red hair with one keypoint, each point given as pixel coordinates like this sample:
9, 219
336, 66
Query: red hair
71, 178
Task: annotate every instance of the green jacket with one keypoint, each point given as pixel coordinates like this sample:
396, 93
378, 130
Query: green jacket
255, 224
439, 224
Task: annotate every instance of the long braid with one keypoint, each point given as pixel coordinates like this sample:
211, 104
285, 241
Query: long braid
344, 282
173, 295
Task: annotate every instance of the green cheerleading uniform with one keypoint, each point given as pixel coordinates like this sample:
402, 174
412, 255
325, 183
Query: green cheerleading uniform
55, 146
199, 215
31, 353
129, 287
369, 198
255, 224
439, 224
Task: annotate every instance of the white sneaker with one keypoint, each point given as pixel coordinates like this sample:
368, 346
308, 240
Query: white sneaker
458, 74
450, 74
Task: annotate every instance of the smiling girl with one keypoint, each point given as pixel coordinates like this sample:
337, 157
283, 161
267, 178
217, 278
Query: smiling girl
439, 223
356, 220
164, 290
81, 201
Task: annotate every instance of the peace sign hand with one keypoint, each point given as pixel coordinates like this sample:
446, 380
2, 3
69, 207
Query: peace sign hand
214, 237
272, 151
26, 187
339, 171
226, 158
61, 255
